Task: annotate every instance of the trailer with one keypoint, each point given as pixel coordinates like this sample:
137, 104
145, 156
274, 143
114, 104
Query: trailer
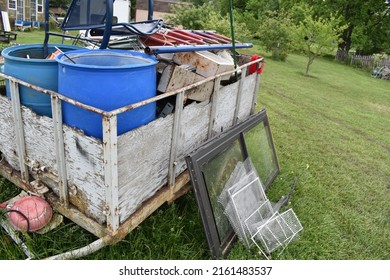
110, 181
109, 186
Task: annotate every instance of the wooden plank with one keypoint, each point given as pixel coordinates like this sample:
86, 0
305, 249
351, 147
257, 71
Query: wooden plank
174, 77
239, 95
203, 92
84, 157
110, 137
19, 129
195, 123
248, 97
143, 159
207, 64
60, 151
144, 154
7, 133
176, 130
224, 111
214, 102
150, 205
85, 169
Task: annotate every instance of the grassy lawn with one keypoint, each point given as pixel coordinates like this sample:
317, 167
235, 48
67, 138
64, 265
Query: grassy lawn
37, 37
331, 129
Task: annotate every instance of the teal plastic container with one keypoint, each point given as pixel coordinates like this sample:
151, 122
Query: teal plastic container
107, 80
28, 63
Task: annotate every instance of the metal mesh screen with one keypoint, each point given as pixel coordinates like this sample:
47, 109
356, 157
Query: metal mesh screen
278, 231
251, 214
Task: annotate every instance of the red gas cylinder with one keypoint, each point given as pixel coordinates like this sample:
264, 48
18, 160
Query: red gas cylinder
35, 209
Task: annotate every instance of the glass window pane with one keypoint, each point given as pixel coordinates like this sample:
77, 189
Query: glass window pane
261, 151
216, 172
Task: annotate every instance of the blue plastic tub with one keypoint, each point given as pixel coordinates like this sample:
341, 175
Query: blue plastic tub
107, 80
27, 62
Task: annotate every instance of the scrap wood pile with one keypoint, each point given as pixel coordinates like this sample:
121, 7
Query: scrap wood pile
185, 56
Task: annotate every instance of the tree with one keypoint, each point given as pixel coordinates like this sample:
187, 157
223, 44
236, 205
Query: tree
205, 17
221, 24
59, 3
190, 17
370, 18
275, 35
317, 37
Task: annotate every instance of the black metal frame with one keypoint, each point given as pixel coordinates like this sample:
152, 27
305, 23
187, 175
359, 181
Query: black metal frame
199, 158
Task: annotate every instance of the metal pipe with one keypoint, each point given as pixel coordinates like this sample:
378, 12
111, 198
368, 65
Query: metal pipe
108, 24
46, 40
84, 251
233, 36
150, 10
189, 48
53, 93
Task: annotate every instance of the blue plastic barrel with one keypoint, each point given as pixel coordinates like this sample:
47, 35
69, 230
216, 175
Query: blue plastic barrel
28, 63
107, 80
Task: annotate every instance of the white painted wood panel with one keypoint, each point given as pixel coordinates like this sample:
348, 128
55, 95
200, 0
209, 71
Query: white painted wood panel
225, 108
84, 157
195, 122
249, 83
7, 135
143, 156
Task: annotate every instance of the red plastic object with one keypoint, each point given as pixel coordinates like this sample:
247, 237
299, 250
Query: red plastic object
253, 68
36, 209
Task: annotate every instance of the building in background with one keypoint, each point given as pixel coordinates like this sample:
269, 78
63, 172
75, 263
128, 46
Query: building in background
161, 8
23, 11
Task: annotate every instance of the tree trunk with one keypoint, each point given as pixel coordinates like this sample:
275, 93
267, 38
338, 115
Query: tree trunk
347, 39
309, 62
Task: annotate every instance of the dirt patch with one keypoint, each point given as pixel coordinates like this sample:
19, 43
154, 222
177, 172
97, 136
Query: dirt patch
379, 107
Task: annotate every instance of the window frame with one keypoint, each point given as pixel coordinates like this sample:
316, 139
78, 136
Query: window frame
15, 4
197, 160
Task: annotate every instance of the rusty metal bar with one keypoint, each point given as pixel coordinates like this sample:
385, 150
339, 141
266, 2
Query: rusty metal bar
60, 150
84, 251
192, 48
50, 92
176, 128
110, 150
131, 106
239, 95
177, 91
19, 130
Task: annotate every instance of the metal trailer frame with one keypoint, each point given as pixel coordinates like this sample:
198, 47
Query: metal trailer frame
113, 231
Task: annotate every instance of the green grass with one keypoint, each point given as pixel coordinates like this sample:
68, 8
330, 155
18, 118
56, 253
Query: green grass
36, 37
331, 129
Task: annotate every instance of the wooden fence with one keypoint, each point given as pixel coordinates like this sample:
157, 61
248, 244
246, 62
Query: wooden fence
363, 61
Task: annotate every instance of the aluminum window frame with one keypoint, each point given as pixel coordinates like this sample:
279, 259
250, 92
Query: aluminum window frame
197, 160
